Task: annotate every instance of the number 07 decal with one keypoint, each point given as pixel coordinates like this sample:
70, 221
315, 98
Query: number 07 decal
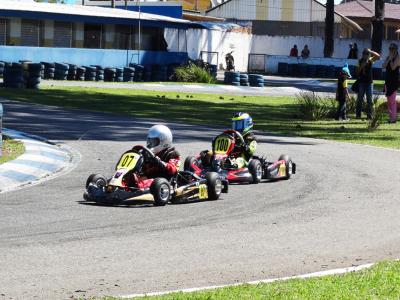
203, 192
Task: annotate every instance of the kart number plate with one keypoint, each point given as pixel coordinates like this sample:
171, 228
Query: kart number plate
203, 192
128, 161
222, 145
282, 170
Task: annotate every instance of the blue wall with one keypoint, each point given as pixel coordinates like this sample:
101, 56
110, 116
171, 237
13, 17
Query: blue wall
79, 56
173, 11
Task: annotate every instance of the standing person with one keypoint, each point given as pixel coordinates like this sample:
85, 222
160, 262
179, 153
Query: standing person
294, 51
305, 53
365, 81
355, 51
342, 93
392, 64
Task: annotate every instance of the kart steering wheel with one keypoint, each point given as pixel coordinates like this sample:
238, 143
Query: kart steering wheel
236, 134
144, 150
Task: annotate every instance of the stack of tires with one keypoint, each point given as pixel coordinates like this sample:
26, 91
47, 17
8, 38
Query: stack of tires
72, 72
129, 74
147, 74
283, 69
256, 80
119, 74
232, 78
34, 75
99, 73
244, 80
302, 70
293, 70
49, 70
159, 73
80, 73
139, 72
61, 71
90, 74
109, 74
311, 71
13, 76
321, 71
330, 72
2, 65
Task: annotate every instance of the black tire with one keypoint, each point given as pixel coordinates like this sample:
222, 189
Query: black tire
161, 191
189, 161
214, 185
288, 164
255, 169
97, 179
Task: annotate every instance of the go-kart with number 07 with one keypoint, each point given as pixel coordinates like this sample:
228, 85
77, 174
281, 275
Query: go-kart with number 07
224, 152
129, 184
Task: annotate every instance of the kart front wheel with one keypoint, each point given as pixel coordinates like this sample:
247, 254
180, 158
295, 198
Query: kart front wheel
255, 169
161, 191
288, 165
189, 161
96, 179
214, 185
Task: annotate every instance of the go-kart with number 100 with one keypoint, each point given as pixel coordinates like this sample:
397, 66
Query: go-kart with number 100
226, 149
129, 183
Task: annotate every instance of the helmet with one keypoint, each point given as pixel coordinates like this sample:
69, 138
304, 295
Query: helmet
159, 138
242, 122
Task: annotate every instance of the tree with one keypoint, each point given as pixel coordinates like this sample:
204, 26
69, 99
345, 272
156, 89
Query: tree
329, 28
378, 26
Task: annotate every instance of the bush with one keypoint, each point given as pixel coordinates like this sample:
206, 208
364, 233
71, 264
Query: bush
314, 107
377, 116
193, 73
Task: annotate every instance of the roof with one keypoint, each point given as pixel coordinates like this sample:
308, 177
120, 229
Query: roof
366, 9
192, 16
92, 14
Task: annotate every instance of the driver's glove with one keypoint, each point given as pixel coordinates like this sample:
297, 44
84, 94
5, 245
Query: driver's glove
158, 162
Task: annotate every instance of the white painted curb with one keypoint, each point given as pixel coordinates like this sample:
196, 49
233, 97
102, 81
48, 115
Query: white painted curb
41, 161
309, 275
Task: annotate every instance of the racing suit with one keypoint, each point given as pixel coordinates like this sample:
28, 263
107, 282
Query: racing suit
165, 164
245, 152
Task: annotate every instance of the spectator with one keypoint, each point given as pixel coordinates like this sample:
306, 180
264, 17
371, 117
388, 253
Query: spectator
342, 93
294, 52
365, 81
353, 52
392, 64
305, 53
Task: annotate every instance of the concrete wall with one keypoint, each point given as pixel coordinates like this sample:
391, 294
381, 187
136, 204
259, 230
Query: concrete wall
113, 58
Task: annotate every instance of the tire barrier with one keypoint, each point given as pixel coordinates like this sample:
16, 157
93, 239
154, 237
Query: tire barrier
244, 80
147, 74
2, 66
90, 73
49, 70
139, 72
232, 78
302, 69
13, 76
80, 73
61, 71
109, 74
256, 80
99, 73
129, 74
72, 72
311, 71
159, 73
283, 69
321, 71
119, 74
34, 75
330, 72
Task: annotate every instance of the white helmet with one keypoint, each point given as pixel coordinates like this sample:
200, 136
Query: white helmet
159, 138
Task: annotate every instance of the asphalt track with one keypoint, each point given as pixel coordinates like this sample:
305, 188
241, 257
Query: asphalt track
341, 209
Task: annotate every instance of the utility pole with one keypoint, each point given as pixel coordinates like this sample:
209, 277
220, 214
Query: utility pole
329, 28
378, 26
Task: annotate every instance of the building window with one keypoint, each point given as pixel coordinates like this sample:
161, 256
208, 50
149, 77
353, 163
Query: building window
63, 34
391, 33
93, 37
123, 37
4, 32
32, 32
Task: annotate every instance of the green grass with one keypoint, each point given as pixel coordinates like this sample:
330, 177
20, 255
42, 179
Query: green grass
382, 281
11, 149
277, 115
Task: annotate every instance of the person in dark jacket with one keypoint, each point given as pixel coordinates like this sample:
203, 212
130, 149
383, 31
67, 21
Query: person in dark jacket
392, 64
365, 81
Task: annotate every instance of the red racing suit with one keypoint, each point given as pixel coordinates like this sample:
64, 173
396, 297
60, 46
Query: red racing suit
165, 165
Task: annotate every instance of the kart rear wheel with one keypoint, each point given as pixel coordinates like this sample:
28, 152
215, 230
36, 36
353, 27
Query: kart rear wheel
214, 185
288, 165
161, 191
96, 179
189, 161
255, 169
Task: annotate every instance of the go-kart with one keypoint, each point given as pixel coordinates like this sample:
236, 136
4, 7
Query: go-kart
226, 148
129, 183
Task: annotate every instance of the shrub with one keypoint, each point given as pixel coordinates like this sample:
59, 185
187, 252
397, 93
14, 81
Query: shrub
377, 116
314, 107
193, 73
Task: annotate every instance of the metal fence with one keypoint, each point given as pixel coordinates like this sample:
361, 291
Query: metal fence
257, 63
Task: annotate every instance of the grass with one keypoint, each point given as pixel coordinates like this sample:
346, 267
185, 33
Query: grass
278, 115
11, 149
382, 281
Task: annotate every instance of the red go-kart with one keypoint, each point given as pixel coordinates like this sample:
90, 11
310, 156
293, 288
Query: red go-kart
226, 149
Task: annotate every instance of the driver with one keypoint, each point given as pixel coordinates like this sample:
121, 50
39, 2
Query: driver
166, 160
243, 123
